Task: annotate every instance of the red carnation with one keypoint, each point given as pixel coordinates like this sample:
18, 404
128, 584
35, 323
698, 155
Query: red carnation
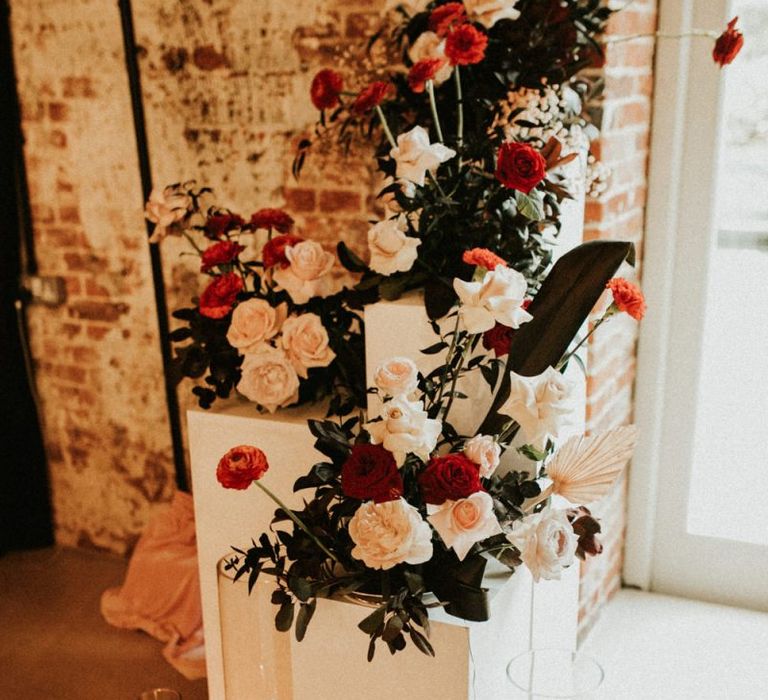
449, 478
370, 474
219, 296
241, 466
326, 88
272, 219
273, 252
484, 258
627, 297
218, 225
728, 44
370, 97
423, 71
465, 45
219, 253
498, 339
446, 18
520, 167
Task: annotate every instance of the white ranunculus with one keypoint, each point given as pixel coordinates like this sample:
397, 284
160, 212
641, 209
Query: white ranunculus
391, 250
269, 379
430, 45
541, 405
405, 428
166, 207
547, 543
388, 534
485, 452
253, 323
462, 523
398, 376
488, 12
415, 155
307, 273
498, 298
305, 341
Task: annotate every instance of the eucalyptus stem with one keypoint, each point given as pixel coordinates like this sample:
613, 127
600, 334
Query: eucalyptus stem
385, 126
433, 107
460, 103
456, 376
296, 520
452, 349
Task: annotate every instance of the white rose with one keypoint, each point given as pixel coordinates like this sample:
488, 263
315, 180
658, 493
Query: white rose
547, 543
488, 12
397, 377
387, 534
254, 322
542, 405
405, 428
391, 250
165, 208
305, 341
430, 45
485, 452
307, 273
269, 379
498, 298
416, 156
462, 523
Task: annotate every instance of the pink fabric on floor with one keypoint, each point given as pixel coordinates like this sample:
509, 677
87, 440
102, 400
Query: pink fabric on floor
161, 592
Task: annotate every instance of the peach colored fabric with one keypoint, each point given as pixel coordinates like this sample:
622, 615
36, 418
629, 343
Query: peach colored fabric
161, 592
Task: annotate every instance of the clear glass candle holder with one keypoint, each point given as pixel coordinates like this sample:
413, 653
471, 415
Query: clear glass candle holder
554, 673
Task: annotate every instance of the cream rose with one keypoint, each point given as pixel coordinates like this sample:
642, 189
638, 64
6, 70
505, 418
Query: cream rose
387, 534
488, 12
305, 341
405, 428
165, 208
485, 452
542, 405
307, 273
397, 377
547, 543
497, 298
253, 323
391, 250
416, 156
430, 45
269, 379
462, 523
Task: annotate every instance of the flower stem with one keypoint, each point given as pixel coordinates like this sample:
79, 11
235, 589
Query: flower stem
662, 35
448, 357
460, 103
385, 126
433, 107
610, 312
296, 519
456, 376
191, 240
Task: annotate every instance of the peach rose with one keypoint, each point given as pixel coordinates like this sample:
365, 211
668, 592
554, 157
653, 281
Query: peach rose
269, 379
253, 323
462, 523
485, 452
397, 377
547, 543
305, 341
307, 273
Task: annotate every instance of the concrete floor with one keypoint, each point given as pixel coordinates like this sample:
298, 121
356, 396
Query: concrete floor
54, 644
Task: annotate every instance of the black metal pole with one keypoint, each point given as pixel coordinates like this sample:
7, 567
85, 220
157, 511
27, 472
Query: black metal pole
145, 170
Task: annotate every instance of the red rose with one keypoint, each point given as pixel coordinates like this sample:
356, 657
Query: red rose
273, 252
728, 44
498, 339
627, 297
447, 17
484, 258
449, 478
241, 466
370, 473
219, 253
586, 528
272, 218
423, 71
218, 225
465, 45
326, 88
520, 167
370, 97
219, 296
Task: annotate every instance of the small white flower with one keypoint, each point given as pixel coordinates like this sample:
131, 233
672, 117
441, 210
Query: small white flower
488, 12
462, 523
391, 250
416, 156
398, 376
254, 322
269, 379
405, 428
430, 45
165, 208
547, 543
485, 452
498, 298
307, 273
305, 341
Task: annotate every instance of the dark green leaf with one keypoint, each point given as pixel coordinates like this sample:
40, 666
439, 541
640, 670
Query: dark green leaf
372, 623
284, 617
306, 610
348, 258
421, 642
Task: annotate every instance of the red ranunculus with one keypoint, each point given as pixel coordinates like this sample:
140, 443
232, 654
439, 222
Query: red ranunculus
219, 296
627, 297
219, 253
728, 44
272, 218
423, 71
451, 477
326, 88
241, 466
520, 167
446, 18
218, 225
370, 97
465, 45
484, 258
370, 474
273, 252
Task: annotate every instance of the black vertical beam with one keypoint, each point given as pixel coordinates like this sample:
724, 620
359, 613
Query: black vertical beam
145, 170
